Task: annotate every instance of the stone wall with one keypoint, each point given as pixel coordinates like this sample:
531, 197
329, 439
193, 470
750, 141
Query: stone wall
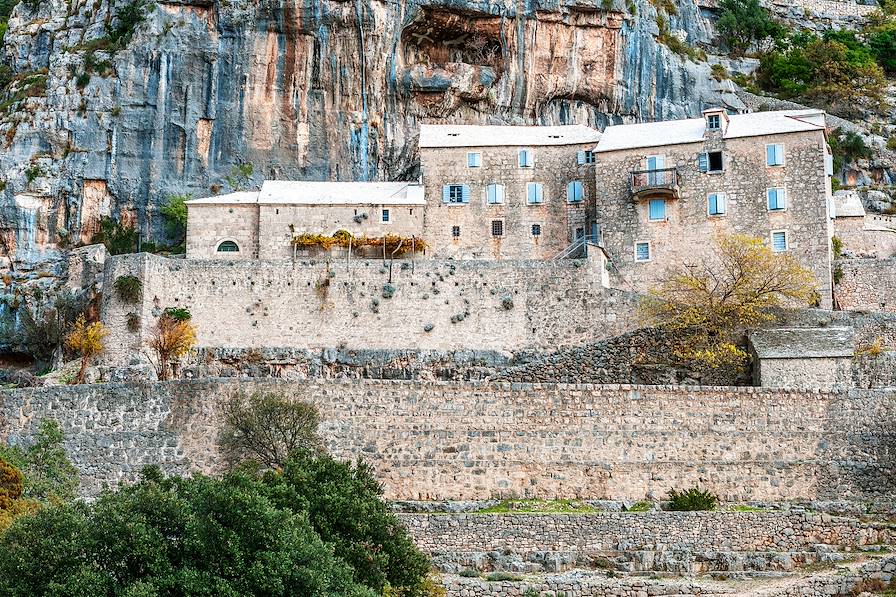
867, 284
655, 541
865, 238
447, 440
436, 305
687, 234
554, 167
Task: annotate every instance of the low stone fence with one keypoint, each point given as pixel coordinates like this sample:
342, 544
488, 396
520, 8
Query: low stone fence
682, 542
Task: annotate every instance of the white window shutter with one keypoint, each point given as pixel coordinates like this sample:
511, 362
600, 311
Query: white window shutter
829, 165
446, 193
465, 194
581, 157
703, 162
499, 193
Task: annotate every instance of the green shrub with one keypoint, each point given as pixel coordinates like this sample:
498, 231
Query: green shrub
847, 147
117, 237
891, 143
691, 500
469, 573
178, 313
175, 212
128, 288
744, 25
837, 246
49, 474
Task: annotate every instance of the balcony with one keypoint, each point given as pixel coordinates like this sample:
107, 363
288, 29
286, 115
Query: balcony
655, 183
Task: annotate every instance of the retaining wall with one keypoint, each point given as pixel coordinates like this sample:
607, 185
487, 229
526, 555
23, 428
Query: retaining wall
867, 285
442, 305
460, 440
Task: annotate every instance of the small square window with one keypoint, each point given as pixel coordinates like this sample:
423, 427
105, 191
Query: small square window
774, 155
657, 210
455, 231
474, 159
580, 233
386, 216
715, 161
779, 241
714, 122
497, 227
642, 251
536, 229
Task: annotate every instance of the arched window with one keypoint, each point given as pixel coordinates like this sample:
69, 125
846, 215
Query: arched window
228, 246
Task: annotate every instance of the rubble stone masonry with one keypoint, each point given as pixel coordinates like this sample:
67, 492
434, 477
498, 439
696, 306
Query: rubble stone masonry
867, 285
459, 440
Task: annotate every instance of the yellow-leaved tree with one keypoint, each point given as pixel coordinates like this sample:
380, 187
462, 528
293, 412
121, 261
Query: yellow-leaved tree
86, 339
708, 305
171, 339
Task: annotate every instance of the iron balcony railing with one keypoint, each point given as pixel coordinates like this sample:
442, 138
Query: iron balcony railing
664, 180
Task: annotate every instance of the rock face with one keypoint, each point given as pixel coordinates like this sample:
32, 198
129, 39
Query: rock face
303, 89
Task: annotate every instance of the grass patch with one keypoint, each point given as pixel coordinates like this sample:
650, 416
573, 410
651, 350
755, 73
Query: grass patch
539, 507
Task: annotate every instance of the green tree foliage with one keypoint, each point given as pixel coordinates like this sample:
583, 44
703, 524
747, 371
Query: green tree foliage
344, 504
42, 328
119, 238
50, 476
263, 429
847, 147
175, 212
836, 71
174, 536
882, 42
12, 501
744, 25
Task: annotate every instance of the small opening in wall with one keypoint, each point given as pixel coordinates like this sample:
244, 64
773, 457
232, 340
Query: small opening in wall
277, 211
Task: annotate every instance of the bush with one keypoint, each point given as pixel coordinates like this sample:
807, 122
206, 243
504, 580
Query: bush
49, 475
128, 288
744, 25
847, 147
86, 339
500, 576
196, 536
691, 500
117, 237
178, 313
344, 504
264, 429
171, 339
175, 212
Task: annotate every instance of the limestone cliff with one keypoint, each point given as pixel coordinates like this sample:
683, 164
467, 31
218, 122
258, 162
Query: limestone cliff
315, 89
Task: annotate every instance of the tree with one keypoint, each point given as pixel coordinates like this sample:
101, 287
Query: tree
175, 212
12, 502
198, 536
118, 238
50, 476
745, 24
882, 42
264, 429
706, 305
344, 504
171, 339
86, 339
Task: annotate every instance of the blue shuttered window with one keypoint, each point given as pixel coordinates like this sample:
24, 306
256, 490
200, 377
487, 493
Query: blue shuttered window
474, 160
575, 192
717, 204
779, 241
455, 193
774, 155
777, 199
534, 193
657, 209
642, 252
526, 159
703, 162
494, 194
585, 157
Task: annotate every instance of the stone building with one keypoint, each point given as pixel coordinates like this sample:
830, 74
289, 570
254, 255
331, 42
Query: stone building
664, 190
263, 224
862, 234
507, 192
802, 357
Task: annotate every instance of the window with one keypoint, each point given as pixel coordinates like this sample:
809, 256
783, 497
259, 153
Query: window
526, 159
474, 159
657, 210
714, 122
534, 193
586, 157
580, 233
385, 216
711, 161
774, 155
228, 246
575, 192
642, 251
779, 241
455, 193
455, 231
716, 204
495, 194
777, 199
536, 229
497, 227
